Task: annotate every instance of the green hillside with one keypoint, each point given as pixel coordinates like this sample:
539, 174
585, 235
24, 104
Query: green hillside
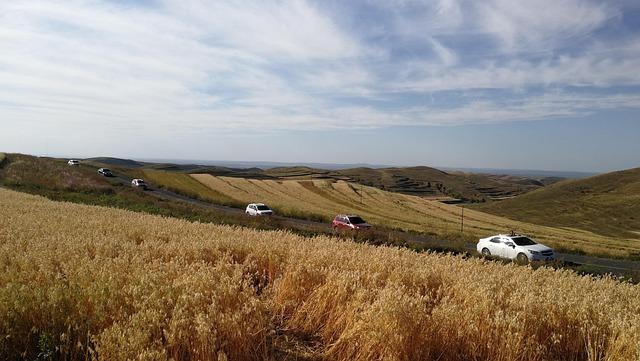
607, 204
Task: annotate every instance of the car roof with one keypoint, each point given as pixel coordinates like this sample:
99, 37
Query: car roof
508, 235
257, 204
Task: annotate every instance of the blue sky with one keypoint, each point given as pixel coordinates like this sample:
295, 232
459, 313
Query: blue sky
547, 84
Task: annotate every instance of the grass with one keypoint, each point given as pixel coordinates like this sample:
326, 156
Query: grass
421, 181
103, 283
607, 204
51, 177
327, 198
183, 184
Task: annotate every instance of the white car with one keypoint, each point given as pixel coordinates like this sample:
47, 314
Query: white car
105, 172
73, 162
137, 182
258, 209
515, 247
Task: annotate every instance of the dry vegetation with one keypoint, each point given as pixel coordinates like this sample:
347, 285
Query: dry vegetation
89, 282
183, 184
40, 172
607, 204
327, 198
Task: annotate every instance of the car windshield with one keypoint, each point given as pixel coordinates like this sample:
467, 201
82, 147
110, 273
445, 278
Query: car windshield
106, 170
523, 241
356, 220
263, 208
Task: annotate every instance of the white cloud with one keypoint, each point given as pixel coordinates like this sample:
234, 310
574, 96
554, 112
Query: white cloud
544, 24
193, 65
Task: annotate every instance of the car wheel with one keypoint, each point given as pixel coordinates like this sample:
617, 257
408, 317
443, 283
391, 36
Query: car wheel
485, 252
522, 258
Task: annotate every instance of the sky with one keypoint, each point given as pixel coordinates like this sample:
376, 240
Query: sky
545, 84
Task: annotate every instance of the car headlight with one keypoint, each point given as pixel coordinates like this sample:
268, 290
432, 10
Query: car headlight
533, 252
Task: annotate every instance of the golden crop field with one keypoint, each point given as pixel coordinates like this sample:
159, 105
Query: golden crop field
328, 198
183, 183
81, 282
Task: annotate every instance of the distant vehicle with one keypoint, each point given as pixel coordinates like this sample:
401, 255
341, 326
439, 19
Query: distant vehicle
354, 222
258, 209
105, 172
515, 247
73, 162
137, 182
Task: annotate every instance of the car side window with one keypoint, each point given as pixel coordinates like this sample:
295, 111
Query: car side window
495, 240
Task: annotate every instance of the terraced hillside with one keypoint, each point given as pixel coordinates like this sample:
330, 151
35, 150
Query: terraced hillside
607, 204
106, 284
426, 181
326, 198
419, 181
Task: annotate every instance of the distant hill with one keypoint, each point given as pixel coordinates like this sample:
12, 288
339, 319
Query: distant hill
118, 162
530, 173
607, 204
420, 181
423, 181
427, 181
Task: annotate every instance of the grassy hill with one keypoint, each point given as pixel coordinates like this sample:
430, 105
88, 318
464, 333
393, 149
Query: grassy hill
420, 181
103, 283
54, 179
326, 198
607, 204
426, 181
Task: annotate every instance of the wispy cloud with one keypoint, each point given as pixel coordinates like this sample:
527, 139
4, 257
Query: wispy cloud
175, 66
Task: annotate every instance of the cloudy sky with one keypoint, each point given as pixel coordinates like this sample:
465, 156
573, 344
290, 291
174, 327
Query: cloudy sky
545, 84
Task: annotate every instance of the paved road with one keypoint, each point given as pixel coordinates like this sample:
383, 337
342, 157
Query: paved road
615, 266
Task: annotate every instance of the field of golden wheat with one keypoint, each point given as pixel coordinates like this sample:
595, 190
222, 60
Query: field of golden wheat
82, 282
328, 198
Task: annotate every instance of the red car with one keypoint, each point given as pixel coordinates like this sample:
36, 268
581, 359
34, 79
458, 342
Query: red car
354, 222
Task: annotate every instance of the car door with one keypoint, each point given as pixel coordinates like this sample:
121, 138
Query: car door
495, 246
501, 247
509, 250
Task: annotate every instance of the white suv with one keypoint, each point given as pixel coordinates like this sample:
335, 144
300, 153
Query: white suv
258, 209
73, 162
139, 183
515, 247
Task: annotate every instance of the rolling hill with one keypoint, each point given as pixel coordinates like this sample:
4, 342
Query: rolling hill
327, 197
419, 181
427, 181
607, 204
